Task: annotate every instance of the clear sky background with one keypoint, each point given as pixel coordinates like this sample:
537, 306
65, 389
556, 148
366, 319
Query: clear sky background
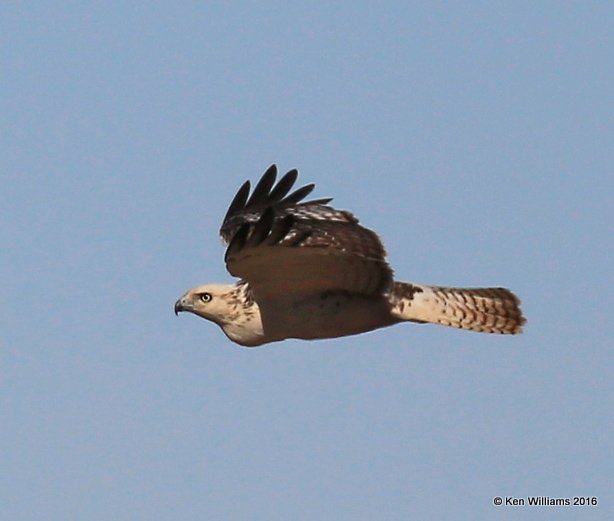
476, 138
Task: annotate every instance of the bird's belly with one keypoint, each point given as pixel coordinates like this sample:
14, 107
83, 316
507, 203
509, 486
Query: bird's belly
328, 315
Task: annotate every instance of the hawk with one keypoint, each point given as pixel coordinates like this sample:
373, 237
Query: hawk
310, 271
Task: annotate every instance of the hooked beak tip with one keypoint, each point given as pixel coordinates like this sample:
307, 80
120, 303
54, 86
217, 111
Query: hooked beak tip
178, 307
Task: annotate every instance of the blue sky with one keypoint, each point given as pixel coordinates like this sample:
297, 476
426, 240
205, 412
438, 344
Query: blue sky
476, 139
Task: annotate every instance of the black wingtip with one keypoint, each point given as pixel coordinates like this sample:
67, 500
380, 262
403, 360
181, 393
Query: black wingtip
262, 189
283, 186
239, 200
299, 194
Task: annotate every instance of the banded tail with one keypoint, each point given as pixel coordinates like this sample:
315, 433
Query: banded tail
487, 310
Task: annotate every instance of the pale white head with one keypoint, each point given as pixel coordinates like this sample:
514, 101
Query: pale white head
209, 301
229, 307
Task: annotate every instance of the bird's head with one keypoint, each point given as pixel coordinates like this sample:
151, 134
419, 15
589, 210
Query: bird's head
210, 301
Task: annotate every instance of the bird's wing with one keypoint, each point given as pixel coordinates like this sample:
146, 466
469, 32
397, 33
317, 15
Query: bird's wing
282, 246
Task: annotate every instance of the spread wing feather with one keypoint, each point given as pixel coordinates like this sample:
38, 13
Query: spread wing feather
282, 246
245, 208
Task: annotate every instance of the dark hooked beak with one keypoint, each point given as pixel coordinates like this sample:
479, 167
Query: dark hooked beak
180, 306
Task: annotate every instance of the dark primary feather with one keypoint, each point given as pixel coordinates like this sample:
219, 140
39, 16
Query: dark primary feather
261, 192
276, 243
238, 241
238, 201
262, 228
283, 187
245, 208
299, 194
280, 230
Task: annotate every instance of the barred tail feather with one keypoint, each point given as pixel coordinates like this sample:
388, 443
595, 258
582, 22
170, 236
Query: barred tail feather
488, 310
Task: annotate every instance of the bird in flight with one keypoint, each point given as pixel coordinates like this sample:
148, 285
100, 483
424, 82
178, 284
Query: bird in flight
310, 271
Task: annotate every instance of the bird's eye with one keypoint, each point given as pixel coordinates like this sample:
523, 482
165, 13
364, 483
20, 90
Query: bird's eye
205, 297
